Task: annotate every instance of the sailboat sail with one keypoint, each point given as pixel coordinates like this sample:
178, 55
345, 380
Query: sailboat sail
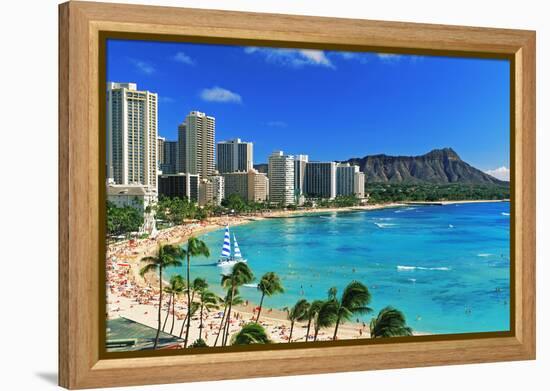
236, 248
226, 249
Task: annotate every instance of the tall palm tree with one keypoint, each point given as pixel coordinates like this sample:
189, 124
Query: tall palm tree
390, 322
175, 288
326, 316
269, 285
236, 301
197, 285
167, 255
240, 275
354, 301
195, 248
298, 313
252, 333
311, 314
208, 300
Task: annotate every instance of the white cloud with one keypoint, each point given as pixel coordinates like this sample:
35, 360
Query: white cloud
502, 173
389, 57
183, 58
143, 67
166, 99
277, 124
294, 58
218, 94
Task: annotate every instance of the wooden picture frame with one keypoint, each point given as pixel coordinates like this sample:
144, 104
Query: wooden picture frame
81, 27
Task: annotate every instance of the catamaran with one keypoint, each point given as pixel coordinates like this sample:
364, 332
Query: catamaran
226, 259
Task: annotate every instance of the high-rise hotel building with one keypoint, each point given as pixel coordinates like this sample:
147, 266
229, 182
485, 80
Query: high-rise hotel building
234, 155
320, 180
349, 180
131, 135
281, 178
196, 138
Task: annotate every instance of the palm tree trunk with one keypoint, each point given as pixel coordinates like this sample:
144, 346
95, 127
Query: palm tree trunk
188, 300
228, 320
291, 329
221, 325
316, 332
200, 326
308, 328
173, 313
186, 317
183, 324
160, 309
260, 310
336, 328
167, 313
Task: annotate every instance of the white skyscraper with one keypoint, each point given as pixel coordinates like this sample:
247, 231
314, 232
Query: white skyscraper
131, 135
200, 131
320, 180
234, 155
281, 178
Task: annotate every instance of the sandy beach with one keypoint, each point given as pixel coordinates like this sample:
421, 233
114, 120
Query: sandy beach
135, 298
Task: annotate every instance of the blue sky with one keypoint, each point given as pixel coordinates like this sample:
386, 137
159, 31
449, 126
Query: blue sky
329, 105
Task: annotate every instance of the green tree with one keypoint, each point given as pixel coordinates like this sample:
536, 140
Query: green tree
167, 256
240, 275
297, 313
175, 288
354, 301
236, 299
311, 314
390, 322
270, 284
196, 286
326, 316
208, 301
252, 333
199, 343
122, 221
195, 248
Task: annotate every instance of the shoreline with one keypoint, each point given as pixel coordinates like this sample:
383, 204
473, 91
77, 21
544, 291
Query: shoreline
136, 298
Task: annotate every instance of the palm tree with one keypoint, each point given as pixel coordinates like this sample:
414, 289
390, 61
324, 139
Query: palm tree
269, 285
167, 255
175, 288
390, 322
311, 314
326, 316
252, 333
298, 312
354, 301
240, 275
197, 285
195, 248
236, 301
208, 301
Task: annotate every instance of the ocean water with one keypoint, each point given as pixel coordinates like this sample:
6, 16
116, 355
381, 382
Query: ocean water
446, 267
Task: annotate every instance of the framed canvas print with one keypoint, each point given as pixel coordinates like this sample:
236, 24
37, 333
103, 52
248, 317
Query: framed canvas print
247, 195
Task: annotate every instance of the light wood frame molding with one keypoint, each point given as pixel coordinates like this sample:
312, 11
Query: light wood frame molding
80, 247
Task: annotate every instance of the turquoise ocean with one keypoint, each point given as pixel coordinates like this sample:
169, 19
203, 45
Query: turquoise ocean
446, 267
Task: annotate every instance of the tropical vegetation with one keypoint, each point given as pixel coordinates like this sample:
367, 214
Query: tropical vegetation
167, 256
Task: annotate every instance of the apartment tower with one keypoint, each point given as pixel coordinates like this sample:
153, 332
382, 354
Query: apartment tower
281, 178
131, 135
234, 155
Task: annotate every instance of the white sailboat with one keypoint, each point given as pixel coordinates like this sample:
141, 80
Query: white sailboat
226, 259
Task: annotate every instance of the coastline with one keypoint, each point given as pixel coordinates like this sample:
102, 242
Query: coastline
136, 298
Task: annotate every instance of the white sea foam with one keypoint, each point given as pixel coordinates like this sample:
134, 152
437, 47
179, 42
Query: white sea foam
384, 225
505, 214
409, 268
484, 255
